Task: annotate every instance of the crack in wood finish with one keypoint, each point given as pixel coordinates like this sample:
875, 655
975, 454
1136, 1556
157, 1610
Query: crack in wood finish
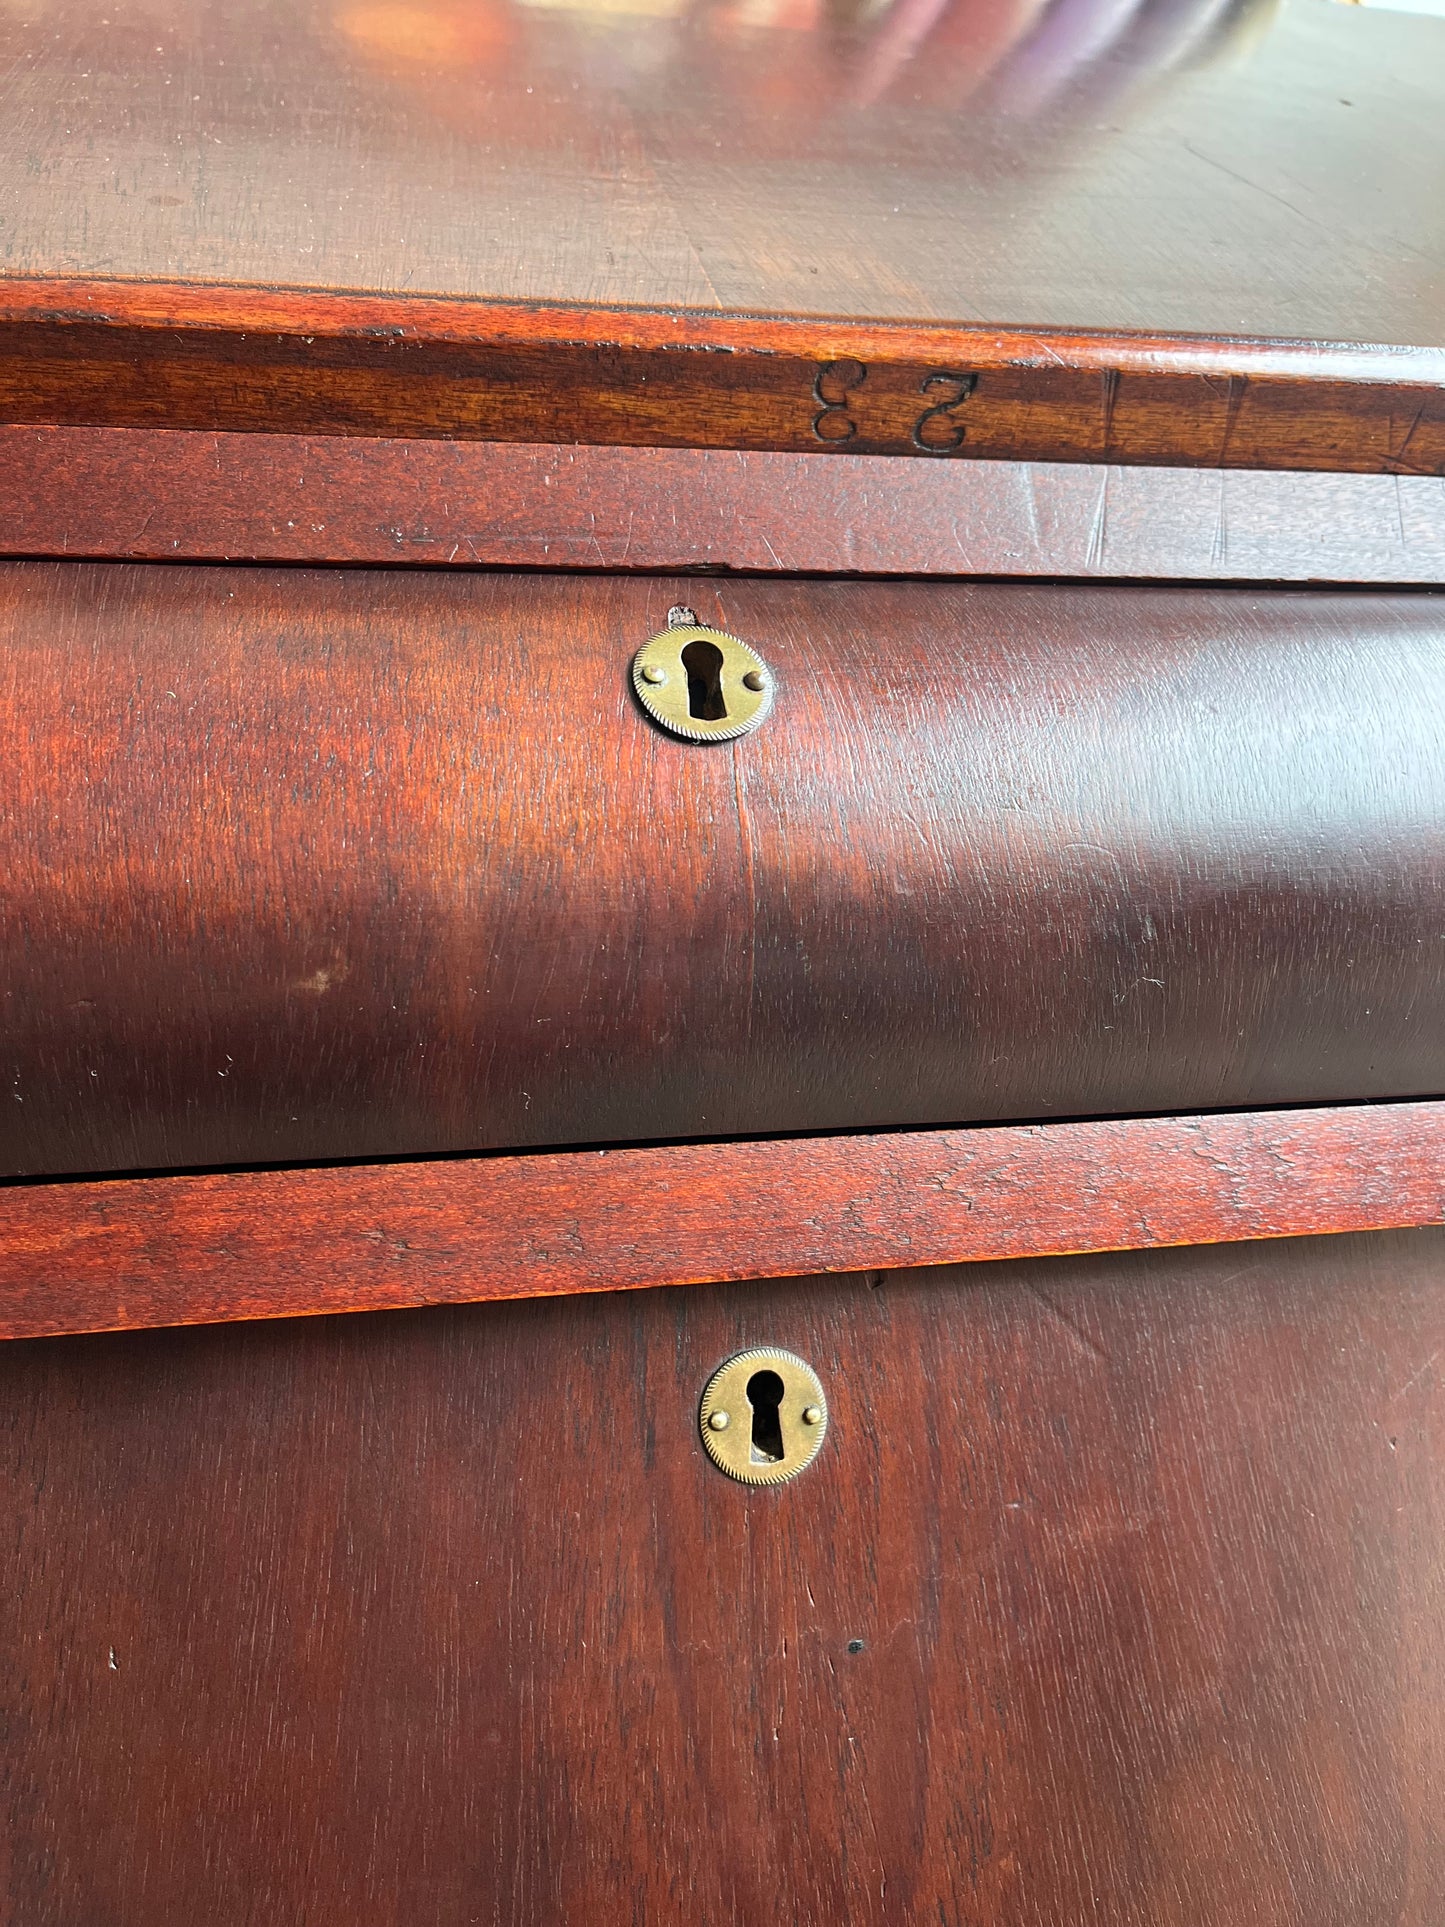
187, 1250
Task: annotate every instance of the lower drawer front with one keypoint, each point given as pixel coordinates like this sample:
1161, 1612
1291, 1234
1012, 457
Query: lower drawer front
1115, 1593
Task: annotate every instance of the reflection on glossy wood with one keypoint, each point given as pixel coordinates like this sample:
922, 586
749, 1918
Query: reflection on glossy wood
266, 1244
162, 495
498, 223
1114, 1594
496, 149
298, 865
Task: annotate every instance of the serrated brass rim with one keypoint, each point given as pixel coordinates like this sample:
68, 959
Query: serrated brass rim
725, 1390
669, 643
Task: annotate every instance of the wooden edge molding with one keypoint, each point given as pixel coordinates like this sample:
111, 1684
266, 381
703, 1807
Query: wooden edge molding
125, 1253
174, 495
311, 361
238, 307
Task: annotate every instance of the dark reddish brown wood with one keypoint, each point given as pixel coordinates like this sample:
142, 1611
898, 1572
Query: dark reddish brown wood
1113, 1596
304, 865
195, 1250
940, 236
162, 495
1159, 170
316, 363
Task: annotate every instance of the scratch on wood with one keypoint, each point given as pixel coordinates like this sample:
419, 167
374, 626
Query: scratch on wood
1233, 400
1414, 1379
1094, 560
1075, 1331
1395, 461
1031, 504
1110, 400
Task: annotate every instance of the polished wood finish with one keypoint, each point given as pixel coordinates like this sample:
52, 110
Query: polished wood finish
299, 865
267, 1244
513, 224
1114, 1595
165, 495
320, 363
1275, 183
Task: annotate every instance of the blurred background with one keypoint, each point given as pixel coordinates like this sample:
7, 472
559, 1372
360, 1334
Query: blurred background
1021, 57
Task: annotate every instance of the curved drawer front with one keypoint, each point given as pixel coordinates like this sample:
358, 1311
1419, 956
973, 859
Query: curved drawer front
330, 864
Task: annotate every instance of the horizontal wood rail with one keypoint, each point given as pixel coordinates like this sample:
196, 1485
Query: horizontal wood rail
311, 361
125, 1253
170, 495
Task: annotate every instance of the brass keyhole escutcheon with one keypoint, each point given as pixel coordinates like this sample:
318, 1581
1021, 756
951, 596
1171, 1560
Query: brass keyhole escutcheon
763, 1416
701, 683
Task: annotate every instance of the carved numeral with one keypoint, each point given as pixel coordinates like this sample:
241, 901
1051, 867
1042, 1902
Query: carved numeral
936, 430
831, 386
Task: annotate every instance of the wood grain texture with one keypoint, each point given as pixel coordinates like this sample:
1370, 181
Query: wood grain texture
1116, 1594
1279, 186
162, 495
303, 865
309, 362
865, 233
265, 1244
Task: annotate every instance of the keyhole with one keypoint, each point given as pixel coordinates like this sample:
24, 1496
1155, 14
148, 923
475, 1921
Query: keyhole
765, 1395
703, 662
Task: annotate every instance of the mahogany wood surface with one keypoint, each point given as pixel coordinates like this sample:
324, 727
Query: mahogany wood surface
320, 363
1278, 182
264, 1244
1148, 235
1116, 1594
158, 494
298, 865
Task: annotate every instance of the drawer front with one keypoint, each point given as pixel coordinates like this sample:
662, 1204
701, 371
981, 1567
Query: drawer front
318, 864
1113, 1593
